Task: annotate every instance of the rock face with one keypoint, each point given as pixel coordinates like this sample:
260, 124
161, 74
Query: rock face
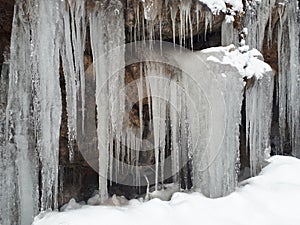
198, 27
6, 16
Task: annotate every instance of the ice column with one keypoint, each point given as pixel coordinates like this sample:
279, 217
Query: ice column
19, 184
107, 40
289, 78
72, 51
259, 102
48, 105
213, 114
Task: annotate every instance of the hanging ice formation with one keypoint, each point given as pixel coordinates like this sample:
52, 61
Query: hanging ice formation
258, 20
107, 41
259, 102
186, 121
72, 52
33, 112
289, 78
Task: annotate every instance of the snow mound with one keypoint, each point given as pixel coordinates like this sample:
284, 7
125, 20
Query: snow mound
272, 198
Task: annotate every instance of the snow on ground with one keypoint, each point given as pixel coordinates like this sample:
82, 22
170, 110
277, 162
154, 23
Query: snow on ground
272, 198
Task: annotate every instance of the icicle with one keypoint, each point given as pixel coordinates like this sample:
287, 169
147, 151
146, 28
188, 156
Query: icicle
173, 9
288, 61
174, 122
181, 28
294, 85
151, 73
288, 74
158, 82
108, 54
198, 13
185, 19
208, 22
214, 157
227, 31
281, 90
34, 108
190, 25
163, 101
259, 100
141, 121
50, 100
18, 115
259, 14
151, 9
18, 194
137, 25
160, 32
98, 48
184, 137
72, 59
3, 99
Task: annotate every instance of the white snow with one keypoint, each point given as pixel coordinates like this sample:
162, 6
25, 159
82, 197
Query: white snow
248, 63
268, 199
217, 6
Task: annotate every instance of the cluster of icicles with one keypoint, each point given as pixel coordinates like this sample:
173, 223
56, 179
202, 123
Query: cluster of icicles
258, 21
47, 35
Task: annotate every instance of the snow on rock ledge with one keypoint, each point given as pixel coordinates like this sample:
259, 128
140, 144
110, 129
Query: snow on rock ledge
217, 6
248, 63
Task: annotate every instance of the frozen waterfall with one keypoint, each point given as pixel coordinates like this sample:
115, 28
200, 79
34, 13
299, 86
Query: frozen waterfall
259, 21
175, 119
